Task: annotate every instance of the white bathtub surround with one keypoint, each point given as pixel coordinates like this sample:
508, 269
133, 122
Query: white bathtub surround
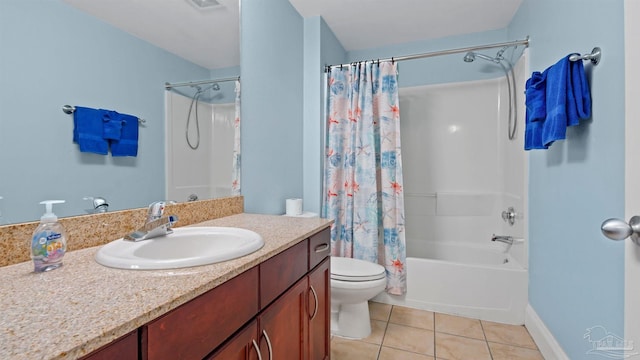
461, 172
186, 174
547, 344
466, 280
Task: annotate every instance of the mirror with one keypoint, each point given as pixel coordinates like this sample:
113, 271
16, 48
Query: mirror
54, 54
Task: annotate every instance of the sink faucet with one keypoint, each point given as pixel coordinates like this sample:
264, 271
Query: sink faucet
502, 238
156, 225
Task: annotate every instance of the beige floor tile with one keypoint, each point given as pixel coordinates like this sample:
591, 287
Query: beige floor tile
412, 317
457, 325
377, 332
508, 334
387, 353
342, 349
409, 339
508, 352
379, 311
452, 347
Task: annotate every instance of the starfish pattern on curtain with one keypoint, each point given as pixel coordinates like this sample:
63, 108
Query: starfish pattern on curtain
363, 188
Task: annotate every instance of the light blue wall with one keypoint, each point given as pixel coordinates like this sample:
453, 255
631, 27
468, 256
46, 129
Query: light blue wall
53, 54
272, 104
321, 48
576, 274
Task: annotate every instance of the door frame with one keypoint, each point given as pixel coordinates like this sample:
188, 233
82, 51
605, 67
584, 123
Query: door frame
632, 174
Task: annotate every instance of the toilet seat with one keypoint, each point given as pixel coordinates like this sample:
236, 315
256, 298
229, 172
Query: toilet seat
355, 270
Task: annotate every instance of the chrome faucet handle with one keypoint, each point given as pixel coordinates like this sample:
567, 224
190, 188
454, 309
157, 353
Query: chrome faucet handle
156, 209
100, 204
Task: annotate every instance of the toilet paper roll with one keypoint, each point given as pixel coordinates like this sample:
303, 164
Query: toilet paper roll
294, 207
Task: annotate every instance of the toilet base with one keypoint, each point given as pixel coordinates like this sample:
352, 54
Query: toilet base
351, 320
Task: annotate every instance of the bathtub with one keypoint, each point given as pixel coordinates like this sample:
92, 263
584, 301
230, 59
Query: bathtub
466, 280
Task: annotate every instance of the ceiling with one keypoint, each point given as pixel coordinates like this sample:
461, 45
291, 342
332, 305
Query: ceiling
210, 38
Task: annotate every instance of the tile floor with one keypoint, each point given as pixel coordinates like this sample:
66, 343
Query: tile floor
400, 333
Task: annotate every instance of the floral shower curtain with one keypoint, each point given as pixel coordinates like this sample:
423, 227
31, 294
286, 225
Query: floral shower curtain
363, 168
235, 174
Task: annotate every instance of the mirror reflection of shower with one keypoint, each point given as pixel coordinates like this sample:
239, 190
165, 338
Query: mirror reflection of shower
499, 59
199, 139
196, 98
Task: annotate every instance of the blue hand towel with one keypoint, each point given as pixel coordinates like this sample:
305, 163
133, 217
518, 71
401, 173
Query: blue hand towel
127, 145
582, 95
87, 131
112, 125
568, 99
536, 110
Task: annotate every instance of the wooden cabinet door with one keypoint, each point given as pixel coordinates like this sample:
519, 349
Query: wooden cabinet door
320, 311
242, 346
284, 325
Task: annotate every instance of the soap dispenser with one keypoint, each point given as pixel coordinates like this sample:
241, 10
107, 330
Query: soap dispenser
49, 241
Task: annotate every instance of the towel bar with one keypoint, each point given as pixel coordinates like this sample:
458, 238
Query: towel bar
595, 56
69, 109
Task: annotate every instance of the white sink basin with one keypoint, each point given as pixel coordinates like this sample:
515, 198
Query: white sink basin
187, 246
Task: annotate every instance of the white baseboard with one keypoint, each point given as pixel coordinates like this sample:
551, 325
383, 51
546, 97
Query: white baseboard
548, 345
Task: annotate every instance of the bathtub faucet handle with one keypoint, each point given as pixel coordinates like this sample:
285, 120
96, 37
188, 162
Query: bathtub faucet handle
509, 215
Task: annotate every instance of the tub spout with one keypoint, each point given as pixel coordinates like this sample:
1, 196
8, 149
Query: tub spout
502, 238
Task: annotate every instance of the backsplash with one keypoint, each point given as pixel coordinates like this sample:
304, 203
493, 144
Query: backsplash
98, 229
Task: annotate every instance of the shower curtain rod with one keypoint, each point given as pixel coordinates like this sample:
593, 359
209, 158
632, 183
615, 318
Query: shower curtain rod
169, 86
524, 42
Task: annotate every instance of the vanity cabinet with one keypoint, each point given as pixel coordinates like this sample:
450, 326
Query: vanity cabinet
296, 325
279, 309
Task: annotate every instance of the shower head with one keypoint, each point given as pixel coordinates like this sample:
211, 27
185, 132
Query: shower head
471, 56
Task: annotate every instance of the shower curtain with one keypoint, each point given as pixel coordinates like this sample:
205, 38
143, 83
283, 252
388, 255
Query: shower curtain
363, 168
235, 174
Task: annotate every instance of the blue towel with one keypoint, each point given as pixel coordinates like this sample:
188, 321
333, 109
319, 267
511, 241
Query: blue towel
127, 145
112, 125
87, 130
536, 110
580, 88
566, 99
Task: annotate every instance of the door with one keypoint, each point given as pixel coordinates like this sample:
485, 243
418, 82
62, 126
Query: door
319, 314
632, 173
283, 325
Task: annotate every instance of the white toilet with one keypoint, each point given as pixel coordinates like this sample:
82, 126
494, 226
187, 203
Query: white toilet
353, 283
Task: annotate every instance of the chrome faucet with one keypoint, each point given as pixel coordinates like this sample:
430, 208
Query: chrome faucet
156, 225
503, 239
100, 204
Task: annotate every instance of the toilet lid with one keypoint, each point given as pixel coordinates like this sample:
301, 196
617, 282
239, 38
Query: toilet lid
348, 269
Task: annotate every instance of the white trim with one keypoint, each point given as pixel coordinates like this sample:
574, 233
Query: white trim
632, 193
547, 344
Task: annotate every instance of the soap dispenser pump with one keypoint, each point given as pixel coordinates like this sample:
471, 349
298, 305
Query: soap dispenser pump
49, 241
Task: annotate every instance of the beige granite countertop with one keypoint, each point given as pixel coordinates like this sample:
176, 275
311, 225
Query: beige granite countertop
71, 311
